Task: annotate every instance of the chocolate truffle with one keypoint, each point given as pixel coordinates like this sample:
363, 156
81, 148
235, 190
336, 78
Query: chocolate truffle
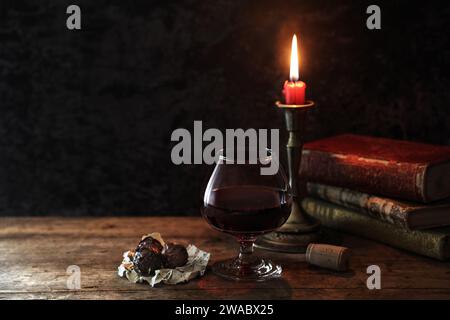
146, 262
148, 257
175, 255
151, 244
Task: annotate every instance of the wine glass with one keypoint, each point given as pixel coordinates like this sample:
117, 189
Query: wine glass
241, 201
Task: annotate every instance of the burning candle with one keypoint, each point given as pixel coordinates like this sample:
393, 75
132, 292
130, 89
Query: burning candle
294, 90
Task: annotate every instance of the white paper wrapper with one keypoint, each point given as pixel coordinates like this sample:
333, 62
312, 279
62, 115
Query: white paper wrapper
195, 267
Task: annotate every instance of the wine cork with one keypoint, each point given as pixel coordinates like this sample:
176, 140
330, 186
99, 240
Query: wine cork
328, 256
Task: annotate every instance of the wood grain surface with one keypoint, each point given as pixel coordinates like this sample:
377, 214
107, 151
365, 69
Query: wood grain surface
35, 253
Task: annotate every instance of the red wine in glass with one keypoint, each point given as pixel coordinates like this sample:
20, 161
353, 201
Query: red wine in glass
242, 202
245, 211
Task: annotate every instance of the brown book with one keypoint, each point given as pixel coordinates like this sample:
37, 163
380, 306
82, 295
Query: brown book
398, 169
408, 215
433, 243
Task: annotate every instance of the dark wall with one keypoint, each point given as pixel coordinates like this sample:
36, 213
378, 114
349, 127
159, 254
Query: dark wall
86, 116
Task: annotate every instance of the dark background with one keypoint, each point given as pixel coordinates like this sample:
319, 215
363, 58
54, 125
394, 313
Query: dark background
86, 116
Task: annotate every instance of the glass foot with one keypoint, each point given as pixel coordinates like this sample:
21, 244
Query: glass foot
259, 271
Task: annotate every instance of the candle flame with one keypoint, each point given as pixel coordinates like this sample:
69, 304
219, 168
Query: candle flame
293, 75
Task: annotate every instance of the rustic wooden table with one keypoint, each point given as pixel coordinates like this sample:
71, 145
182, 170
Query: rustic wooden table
35, 253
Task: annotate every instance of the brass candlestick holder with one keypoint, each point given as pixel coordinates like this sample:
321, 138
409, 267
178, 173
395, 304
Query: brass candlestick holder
300, 229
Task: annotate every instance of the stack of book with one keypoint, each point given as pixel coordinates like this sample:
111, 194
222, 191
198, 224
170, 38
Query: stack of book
385, 190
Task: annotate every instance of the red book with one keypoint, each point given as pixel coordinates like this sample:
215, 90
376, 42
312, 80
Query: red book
400, 169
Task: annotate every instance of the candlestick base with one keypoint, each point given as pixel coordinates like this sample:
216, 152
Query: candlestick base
300, 229
293, 236
286, 242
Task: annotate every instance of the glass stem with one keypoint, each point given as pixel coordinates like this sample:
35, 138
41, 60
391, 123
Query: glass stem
246, 258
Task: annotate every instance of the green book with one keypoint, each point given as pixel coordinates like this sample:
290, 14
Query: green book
405, 214
433, 243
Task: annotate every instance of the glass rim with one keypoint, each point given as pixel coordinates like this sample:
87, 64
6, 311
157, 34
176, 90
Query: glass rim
267, 157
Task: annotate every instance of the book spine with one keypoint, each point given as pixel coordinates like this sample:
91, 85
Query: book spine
377, 207
388, 178
433, 243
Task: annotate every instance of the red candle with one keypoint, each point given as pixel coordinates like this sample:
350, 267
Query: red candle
294, 90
